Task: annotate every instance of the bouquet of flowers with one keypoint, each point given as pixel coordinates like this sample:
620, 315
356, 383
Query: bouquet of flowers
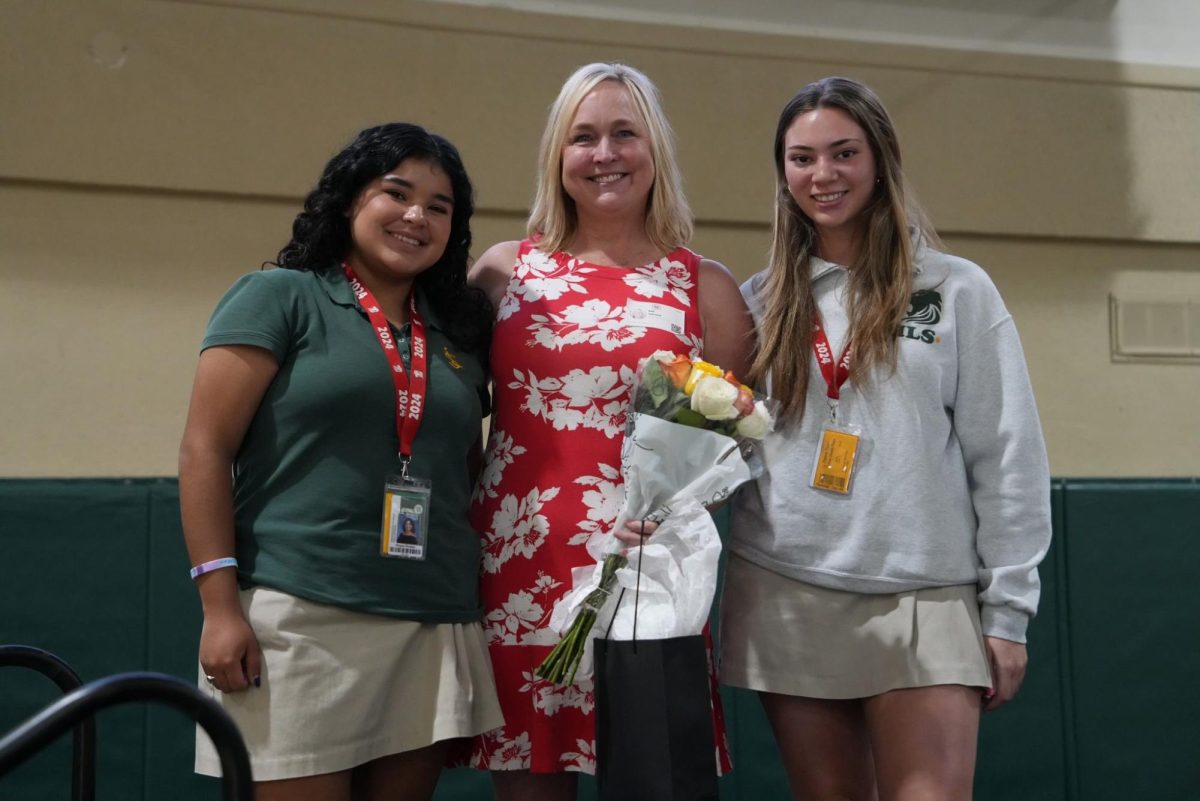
690, 441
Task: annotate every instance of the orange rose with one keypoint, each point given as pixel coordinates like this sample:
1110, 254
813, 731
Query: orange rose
745, 400
677, 370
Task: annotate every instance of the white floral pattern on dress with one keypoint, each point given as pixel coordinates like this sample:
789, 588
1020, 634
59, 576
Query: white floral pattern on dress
695, 345
537, 276
603, 502
501, 452
519, 615
549, 697
518, 528
508, 306
504, 753
593, 322
524, 619
584, 759
589, 399
657, 278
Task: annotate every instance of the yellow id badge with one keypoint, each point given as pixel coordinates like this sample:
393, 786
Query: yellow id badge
405, 532
834, 467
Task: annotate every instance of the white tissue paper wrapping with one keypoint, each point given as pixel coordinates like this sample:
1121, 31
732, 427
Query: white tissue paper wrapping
671, 472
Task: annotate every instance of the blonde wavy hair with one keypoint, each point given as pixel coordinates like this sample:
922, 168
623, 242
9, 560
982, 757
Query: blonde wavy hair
880, 279
553, 216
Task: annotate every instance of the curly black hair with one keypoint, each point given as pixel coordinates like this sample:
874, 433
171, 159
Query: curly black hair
321, 237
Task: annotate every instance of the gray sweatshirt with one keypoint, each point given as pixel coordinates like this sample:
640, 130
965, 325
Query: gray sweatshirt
951, 484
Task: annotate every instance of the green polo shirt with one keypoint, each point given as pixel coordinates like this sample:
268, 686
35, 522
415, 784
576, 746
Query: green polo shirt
309, 477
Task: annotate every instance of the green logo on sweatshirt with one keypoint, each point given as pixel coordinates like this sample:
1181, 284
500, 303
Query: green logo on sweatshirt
924, 309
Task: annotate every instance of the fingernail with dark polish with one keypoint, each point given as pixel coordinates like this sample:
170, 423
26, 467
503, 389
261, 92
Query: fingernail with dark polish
258, 681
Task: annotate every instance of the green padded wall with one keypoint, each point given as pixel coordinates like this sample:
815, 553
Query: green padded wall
73, 580
1134, 622
1023, 750
95, 571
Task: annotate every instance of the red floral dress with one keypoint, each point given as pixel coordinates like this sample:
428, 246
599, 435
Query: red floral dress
563, 361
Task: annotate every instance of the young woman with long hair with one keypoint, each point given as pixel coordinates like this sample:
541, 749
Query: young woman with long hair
884, 568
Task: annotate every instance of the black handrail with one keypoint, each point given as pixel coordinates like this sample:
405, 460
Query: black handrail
237, 783
83, 764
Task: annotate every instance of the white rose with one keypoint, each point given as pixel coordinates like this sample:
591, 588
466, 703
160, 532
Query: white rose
713, 397
756, 424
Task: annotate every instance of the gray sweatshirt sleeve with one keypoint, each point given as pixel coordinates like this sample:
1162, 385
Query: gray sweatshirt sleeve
996, 421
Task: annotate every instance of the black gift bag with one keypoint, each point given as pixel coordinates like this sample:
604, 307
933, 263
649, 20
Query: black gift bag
654, 724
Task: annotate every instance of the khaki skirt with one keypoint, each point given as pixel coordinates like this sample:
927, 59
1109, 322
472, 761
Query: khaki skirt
342, 688
784, 636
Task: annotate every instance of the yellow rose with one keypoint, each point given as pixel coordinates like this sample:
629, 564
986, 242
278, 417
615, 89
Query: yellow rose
700, 369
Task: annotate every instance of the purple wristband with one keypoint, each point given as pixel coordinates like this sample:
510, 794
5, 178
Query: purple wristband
215, 564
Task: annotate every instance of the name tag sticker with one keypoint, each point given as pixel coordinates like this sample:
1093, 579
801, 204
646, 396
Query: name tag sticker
836, 452
653, 315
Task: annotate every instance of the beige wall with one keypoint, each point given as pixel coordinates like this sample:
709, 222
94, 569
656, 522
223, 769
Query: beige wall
153, 151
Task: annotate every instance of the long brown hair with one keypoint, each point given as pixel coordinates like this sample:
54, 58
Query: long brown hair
881, 277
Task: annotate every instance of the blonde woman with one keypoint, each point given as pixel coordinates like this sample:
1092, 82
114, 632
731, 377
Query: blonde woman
602, 281
885, 567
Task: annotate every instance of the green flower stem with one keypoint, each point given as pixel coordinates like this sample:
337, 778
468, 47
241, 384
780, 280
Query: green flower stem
563, 660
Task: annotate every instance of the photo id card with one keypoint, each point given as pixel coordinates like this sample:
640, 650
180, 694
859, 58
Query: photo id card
833, 470
405, 532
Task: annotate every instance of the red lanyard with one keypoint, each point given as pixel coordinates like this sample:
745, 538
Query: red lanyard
835, 373
410, 397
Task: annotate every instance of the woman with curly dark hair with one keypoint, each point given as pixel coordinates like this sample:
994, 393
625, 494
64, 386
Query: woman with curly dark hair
343, 393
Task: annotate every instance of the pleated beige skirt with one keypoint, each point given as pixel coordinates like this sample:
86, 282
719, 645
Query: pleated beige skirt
342, 688
784, 636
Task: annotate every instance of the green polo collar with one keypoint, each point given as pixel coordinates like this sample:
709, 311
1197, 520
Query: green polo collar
334, 282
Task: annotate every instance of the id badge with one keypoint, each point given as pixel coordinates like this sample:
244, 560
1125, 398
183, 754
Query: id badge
653, 315
833, 470
405, 532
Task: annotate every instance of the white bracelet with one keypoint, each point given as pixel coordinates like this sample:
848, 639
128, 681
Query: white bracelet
215, 564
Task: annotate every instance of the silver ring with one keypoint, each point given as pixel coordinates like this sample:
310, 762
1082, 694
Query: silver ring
211, 679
